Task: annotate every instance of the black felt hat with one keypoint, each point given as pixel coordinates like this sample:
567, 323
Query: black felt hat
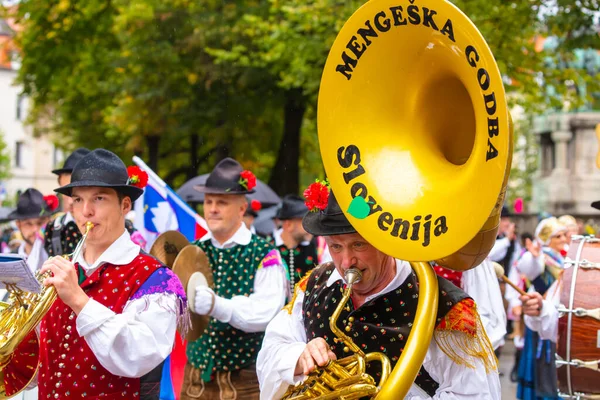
71, 161
224, 179
292, 206
31, 204
101, 168
505, 212
330, 221
596, 204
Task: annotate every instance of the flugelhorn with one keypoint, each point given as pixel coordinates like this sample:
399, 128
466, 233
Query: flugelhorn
17, 322
416, 141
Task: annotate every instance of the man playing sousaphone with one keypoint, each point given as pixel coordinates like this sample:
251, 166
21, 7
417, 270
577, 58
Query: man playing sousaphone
460, 361
115, 317
250, 287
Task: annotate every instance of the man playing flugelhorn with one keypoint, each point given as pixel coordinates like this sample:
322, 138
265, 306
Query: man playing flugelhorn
460, 361
115, 317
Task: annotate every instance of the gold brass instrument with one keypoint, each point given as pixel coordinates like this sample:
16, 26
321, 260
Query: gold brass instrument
346, 378
416, 141
19, 318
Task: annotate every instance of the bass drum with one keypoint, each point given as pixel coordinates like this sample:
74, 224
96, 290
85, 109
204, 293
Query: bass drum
578, 345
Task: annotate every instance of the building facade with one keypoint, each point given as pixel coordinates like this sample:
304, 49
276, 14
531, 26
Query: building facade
568, 177
32, 158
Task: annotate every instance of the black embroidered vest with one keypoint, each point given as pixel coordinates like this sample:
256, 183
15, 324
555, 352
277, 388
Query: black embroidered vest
381, 324
300, 260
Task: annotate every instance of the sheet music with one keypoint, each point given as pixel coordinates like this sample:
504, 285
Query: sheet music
14, 270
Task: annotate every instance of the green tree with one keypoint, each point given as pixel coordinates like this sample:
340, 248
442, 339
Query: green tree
184, 83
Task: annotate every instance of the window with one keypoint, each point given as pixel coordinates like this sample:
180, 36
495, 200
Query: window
55, 155
19, 107
19, 146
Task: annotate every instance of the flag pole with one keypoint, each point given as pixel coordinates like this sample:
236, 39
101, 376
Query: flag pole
149, 171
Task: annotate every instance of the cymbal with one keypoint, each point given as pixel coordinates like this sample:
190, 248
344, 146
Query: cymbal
167, 246
193, 269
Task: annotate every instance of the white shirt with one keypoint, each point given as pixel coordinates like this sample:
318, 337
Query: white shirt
531, 266
134, 342
481, 283
36, 257
285, 340
254, 312
546, 324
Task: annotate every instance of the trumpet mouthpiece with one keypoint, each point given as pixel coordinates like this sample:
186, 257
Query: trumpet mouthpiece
88, 226
352, 276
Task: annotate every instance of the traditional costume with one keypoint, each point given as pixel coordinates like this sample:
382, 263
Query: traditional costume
32, 205
62, 234
114, 348
460, 362
481, 284
537, 369
250, 287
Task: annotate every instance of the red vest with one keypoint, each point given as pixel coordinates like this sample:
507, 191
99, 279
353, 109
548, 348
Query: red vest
68, 367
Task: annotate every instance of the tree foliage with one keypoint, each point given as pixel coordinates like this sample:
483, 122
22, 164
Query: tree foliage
4, 159
184, 83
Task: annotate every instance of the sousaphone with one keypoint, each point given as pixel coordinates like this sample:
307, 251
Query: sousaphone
416, 141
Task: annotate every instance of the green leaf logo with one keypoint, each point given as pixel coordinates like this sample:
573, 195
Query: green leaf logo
359, 208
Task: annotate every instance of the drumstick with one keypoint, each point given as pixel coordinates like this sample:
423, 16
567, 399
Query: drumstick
500, 274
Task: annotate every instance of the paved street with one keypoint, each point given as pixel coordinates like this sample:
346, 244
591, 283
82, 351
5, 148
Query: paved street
507, 358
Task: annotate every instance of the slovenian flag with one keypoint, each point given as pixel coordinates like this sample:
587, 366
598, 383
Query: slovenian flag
158, 210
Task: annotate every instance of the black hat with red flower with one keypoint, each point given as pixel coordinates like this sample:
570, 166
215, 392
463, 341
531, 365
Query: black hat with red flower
254, 206
103, 168
31, 204
228, 177
325, 217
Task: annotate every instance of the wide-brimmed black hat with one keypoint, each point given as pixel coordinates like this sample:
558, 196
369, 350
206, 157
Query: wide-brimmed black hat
330, 221
224, 179
31, 204
292, 206
71, 161
101, 168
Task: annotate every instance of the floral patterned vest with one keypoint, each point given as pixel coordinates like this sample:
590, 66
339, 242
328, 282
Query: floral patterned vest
380, 325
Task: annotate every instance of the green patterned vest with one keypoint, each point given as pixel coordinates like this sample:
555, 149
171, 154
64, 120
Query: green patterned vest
222, 347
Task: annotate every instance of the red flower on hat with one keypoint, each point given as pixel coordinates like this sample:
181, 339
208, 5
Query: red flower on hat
247, 180
255, 205
137, 177
316, 196
52, 202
